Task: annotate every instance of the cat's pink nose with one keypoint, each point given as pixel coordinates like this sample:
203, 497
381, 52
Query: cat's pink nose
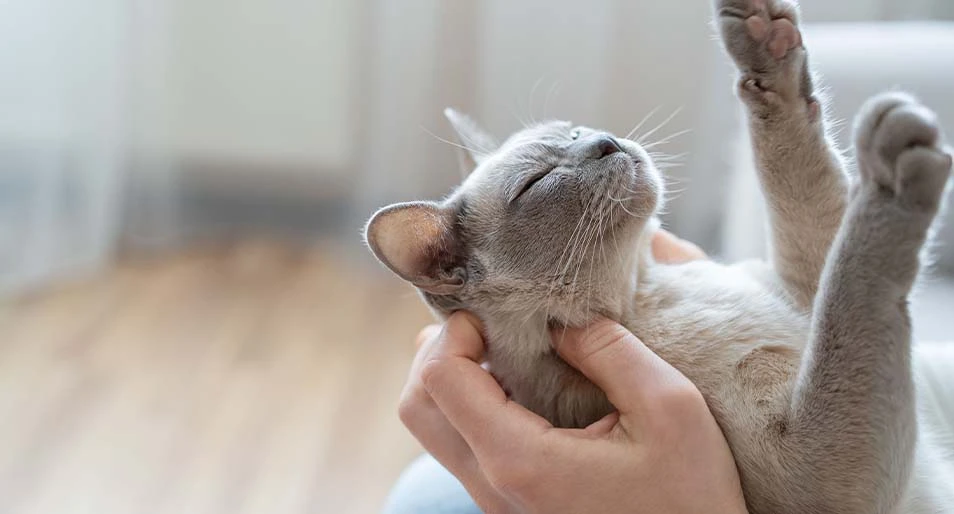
606, 145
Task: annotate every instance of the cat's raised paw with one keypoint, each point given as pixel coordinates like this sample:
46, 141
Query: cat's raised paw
763, 38
759, 33
900, 150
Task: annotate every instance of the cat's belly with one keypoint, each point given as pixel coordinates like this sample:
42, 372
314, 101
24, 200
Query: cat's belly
728, 329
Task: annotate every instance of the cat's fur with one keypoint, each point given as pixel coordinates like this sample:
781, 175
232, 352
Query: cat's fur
805, 362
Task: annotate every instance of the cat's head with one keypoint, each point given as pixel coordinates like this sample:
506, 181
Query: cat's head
546, 222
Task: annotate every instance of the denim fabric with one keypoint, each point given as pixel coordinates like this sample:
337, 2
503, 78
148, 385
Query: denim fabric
426, 487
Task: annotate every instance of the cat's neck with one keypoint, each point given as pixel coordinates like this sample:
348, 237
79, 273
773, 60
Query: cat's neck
525, 335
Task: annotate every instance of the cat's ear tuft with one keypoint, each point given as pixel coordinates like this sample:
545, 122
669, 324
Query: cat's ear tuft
418, 242
477, 143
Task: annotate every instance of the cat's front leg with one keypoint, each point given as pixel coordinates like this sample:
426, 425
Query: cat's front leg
849, 436
799, 168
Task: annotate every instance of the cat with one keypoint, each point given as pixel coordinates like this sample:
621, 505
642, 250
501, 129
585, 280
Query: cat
805, 361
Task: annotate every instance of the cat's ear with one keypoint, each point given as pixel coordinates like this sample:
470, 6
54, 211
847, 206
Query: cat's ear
477, 143
418, 241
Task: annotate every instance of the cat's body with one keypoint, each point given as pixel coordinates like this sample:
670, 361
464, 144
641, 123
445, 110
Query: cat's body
729, 330
804, 362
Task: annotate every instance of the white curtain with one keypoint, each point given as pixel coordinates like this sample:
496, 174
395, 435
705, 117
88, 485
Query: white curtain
62, 95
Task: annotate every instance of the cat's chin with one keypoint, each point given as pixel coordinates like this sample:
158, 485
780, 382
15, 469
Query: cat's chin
621, 162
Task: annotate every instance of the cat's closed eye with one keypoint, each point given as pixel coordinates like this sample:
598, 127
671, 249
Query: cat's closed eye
530, 182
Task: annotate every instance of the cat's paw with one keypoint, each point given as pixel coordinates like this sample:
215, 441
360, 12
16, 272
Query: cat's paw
764, 40
900, 151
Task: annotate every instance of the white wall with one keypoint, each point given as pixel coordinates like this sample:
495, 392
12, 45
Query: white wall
604, 63
863, 10
251, 80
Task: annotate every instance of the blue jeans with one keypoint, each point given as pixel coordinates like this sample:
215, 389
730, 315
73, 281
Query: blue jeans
426, 487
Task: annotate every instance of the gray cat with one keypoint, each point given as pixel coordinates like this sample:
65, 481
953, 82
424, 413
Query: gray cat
804, 361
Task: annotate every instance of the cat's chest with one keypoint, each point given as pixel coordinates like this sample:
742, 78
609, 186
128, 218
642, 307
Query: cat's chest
724, 328
719, 325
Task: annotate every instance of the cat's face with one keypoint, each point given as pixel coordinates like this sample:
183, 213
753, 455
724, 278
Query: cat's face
547, 220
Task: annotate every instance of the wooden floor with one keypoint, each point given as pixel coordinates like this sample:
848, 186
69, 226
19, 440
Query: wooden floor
255, 378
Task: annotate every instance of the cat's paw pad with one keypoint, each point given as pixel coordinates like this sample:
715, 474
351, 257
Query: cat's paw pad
763, 38
900, 150
759, 33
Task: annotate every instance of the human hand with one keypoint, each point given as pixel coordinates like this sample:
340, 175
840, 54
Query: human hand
669, 249
662, 452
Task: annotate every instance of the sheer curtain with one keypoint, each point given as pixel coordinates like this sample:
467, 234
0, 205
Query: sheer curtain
62, 96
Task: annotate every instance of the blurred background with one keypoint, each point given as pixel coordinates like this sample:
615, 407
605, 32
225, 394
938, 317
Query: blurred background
189, 322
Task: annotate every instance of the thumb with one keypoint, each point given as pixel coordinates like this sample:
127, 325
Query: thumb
617, 362
669, 249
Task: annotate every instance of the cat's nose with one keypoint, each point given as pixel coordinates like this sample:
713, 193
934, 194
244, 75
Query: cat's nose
606, 145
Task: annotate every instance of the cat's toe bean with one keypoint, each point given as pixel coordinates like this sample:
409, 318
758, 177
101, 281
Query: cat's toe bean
763, 38
898, 143
872, 114
906, 126
758, 27
922, 175
785, 37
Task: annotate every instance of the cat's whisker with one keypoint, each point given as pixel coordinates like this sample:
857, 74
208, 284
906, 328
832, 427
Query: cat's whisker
581, 236
582, 246
671, 180
571, 245
529, 316
586, 244
623, 207
533, 91
589, 258
554, 91
598, 242
660, 156
456, 145
561, 268
669, 162
643, 122
523, 123
641, 139
560, 277
629, 198
602, 243
666, 140
619, 254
